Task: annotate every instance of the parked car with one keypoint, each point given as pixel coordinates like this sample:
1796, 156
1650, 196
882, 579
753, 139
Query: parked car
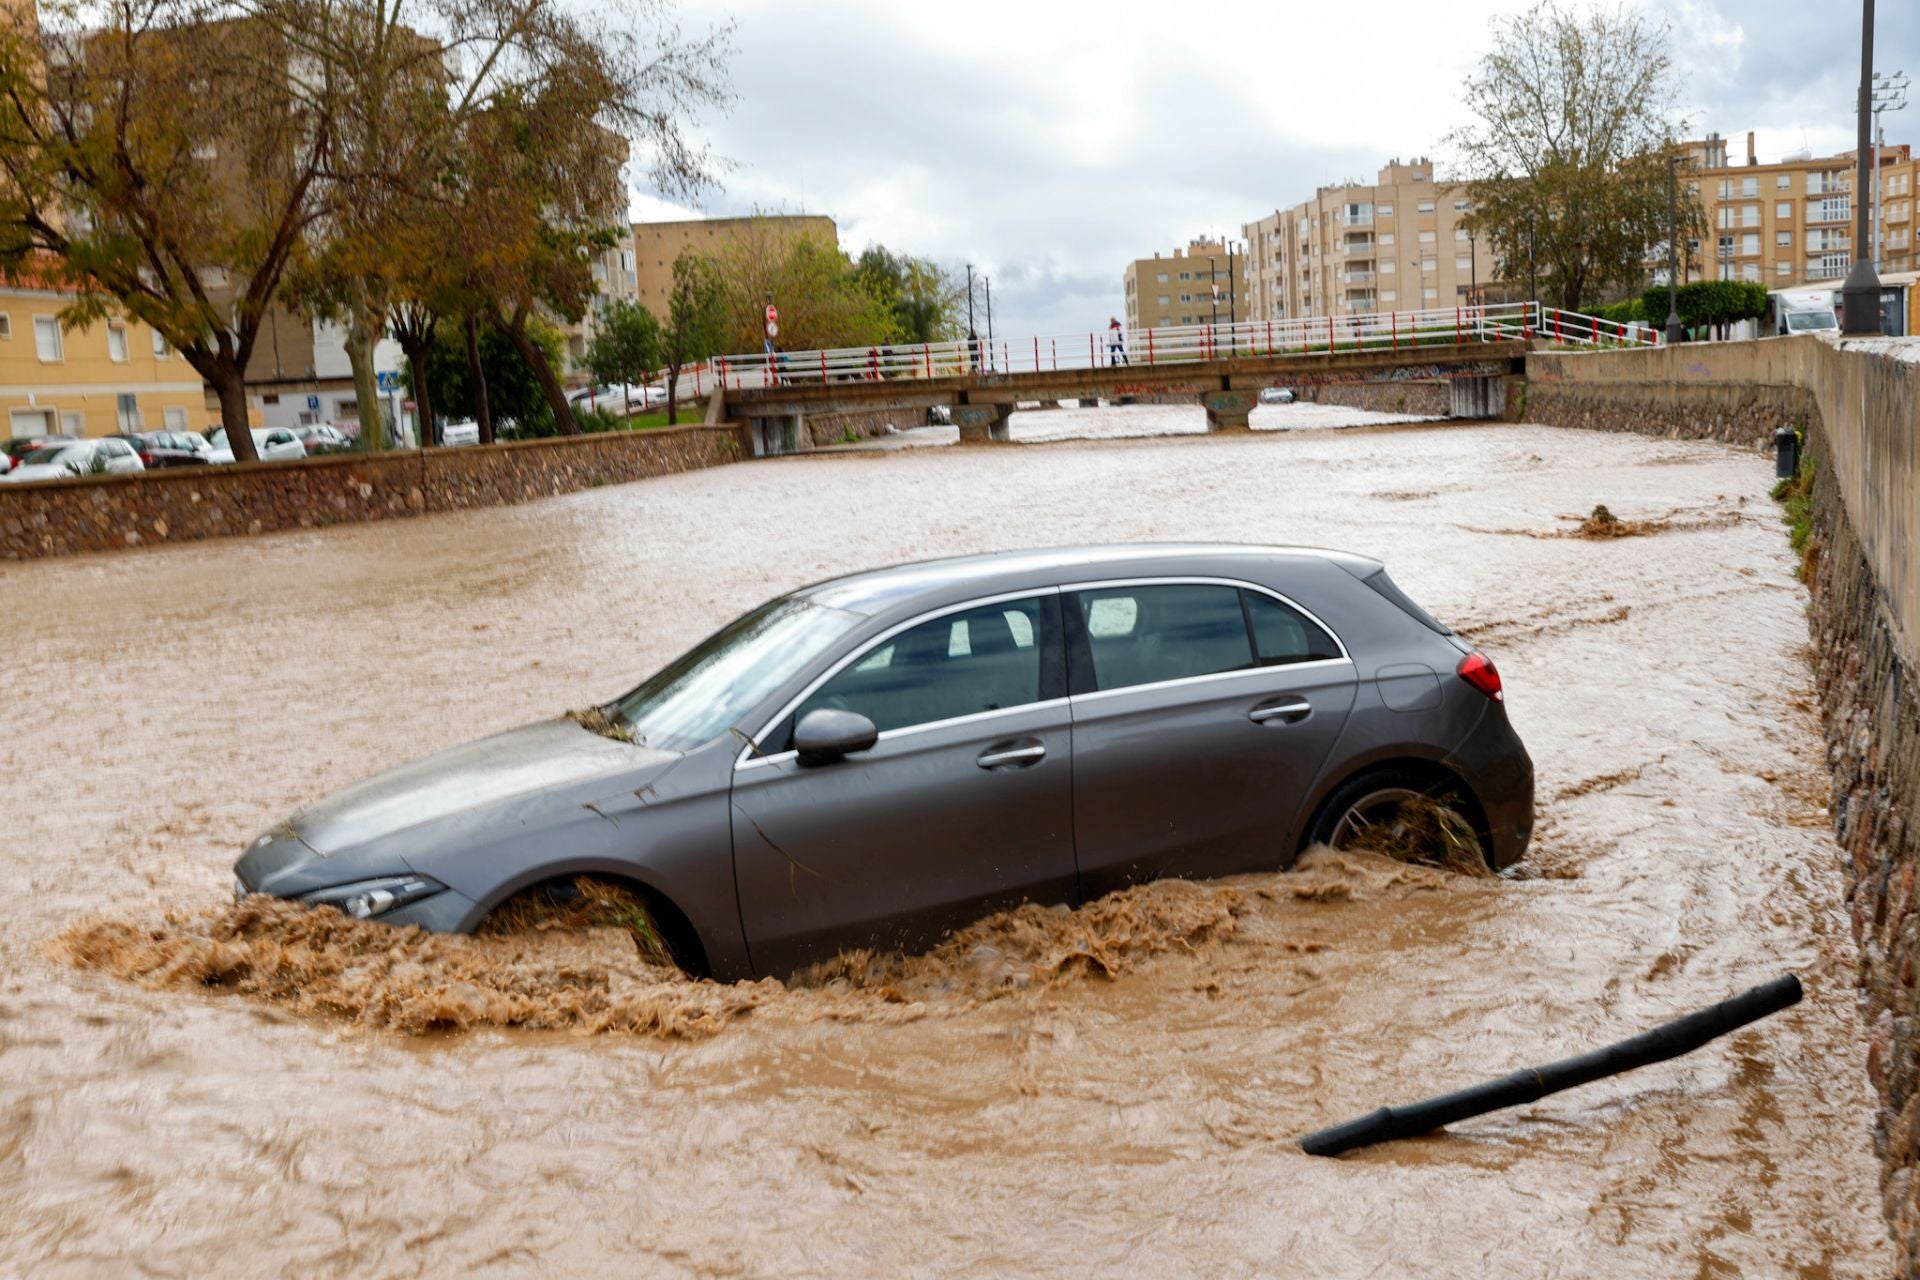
168, 448
1275, 395
64, 459
454, 434
321, 438
613, 398
875, 759
20, 446
273, 444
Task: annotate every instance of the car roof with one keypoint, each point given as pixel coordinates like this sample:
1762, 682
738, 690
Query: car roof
874, 590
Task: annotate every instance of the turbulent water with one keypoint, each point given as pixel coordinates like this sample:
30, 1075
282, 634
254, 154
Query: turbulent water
193, 1087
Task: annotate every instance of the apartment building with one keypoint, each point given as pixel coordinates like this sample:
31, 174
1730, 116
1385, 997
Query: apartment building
1400, 244
1190, 286
1791, 221
112, 375
657, 244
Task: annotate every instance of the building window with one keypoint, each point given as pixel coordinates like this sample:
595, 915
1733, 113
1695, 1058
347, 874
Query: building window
160, 348
117, 343
1836, 209
1750, 272
1783, 182
1749, 186
1750, 215
73, 424
1186, 297
6, 325
46, 340
1463, 264
1459, 233
1783, 210
127, 412
1459, 206
1388, 295
1386, 268
1161, 278
1164, 300
1386, 237
176, 419
1783, 268
1186, 275
1726, 246
1724, 217
1726, 188
1429, 294
1384, 211
1749, 245
1784, 239
1426, 206
1427, 264
1426, 237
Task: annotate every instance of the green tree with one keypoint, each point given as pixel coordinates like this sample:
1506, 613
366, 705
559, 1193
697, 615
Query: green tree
1709, 304
696, 327
823, 301
925, 301
1574, 118
512, 391
626, 347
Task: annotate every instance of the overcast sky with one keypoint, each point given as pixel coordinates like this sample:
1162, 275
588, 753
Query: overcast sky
1049, 144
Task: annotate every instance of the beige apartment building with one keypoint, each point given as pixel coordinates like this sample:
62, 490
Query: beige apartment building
1791, 221
657, 244
1398, 245
1191, 286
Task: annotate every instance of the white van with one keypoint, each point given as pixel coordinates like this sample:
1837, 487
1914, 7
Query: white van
1798, 311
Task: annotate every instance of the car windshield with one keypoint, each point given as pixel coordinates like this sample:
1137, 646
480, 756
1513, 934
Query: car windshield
707, 690
1803, 321
45, 454
219, 438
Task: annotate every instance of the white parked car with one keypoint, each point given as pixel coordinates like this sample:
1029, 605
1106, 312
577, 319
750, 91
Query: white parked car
610, 398
273, 444
63, 460
453, 434
1275, 395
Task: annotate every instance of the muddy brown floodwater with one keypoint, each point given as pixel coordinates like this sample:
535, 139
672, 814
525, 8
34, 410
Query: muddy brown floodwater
1115, 1091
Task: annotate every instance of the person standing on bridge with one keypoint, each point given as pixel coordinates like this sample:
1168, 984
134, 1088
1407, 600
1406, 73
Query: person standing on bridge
1116, 342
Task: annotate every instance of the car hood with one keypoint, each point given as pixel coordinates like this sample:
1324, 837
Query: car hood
512, 778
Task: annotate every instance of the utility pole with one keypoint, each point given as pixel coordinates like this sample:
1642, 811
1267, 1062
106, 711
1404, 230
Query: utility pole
1233, 303
1860, 298
973, 335
1889, 94
989, 280
1675, 333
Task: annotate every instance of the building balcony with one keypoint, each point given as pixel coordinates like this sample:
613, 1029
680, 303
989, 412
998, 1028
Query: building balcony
1358, 277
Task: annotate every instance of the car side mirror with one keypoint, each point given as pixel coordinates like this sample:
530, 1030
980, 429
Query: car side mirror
825, 735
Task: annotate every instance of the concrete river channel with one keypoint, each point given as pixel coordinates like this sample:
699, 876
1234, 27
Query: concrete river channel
1088, 1093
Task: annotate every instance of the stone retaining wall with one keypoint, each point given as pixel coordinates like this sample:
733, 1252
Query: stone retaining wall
1428, 399
833, 428
1859, 404
101, 513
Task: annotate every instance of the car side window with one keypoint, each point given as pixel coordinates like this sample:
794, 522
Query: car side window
1282, 635
984, 659
1144, 634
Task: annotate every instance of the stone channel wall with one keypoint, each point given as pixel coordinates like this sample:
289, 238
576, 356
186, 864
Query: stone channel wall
1859, 404
1427, 399
101, 513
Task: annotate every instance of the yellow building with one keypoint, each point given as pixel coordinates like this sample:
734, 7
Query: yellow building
1398, 245
1791, 220
657, 244
113, 375
1194, 286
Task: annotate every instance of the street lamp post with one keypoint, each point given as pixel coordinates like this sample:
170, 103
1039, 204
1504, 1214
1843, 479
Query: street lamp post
1860, 298
1675, 333
1233, 304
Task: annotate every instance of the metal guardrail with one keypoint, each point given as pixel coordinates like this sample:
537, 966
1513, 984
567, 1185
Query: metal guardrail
1176, 345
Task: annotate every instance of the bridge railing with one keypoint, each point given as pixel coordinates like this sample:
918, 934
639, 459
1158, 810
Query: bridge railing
1176, 345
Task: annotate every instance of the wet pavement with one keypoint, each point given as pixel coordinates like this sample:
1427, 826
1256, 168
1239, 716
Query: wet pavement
164, 706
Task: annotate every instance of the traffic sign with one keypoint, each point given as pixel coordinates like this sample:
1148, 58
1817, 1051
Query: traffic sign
313, 404
773, 327
773, 315
388, 379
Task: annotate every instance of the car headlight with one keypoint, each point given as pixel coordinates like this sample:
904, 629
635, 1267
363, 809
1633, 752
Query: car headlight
365, 899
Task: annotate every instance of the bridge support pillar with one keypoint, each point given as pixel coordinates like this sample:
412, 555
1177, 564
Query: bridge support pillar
785, 433
984, 423
1477, 398
1228, 410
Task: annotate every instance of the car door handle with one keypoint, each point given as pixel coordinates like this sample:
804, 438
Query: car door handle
1012, 753
1289, 711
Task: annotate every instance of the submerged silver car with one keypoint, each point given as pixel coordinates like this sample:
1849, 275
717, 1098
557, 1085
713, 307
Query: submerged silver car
876, 759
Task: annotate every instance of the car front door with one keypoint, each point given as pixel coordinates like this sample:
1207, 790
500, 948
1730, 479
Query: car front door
1202, 712
963, 805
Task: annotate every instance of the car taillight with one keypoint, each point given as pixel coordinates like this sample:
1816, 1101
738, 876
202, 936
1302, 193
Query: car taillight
1477, 669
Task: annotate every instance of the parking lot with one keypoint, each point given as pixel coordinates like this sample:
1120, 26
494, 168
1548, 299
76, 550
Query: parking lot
168, 704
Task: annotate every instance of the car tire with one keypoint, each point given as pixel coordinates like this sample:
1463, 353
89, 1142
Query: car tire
1371, 798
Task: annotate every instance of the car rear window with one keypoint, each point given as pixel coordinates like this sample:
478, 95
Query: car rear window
1389, 589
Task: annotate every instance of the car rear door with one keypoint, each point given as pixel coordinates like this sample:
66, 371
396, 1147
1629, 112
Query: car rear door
963, 805
1203, 710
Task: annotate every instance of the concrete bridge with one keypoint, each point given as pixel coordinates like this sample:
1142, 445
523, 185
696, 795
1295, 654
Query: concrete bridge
1478, 352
